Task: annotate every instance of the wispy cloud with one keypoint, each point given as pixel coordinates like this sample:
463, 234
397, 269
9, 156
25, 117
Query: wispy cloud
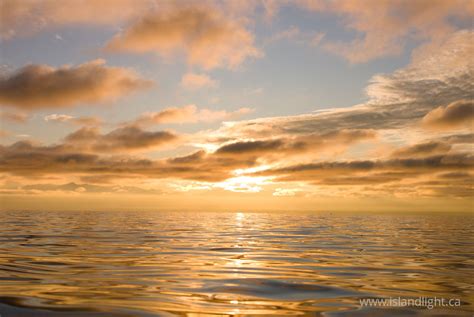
62, 118
193, 81
187, 114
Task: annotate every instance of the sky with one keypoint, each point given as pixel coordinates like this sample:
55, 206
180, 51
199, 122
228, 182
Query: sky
261, 105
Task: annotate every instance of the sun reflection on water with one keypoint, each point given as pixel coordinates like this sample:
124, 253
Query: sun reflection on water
228, 263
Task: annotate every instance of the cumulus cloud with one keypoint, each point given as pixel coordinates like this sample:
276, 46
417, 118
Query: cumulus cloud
40, 86
187, 114
435, 86
458, 113
194, 81
125, 139
205, 36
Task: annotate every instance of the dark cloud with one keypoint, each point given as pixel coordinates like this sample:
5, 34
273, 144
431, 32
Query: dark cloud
29, 160
40, 86
453, 115
368, 169
253, 147
124, 139
296, 145
465, 138
422, 149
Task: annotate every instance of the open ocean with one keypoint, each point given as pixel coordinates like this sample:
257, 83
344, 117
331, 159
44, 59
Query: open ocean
197, 264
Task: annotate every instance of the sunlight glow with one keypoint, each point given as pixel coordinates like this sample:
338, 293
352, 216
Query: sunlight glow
245, 184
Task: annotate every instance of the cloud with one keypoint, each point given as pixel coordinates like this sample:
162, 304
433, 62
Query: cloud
61, 118
296, 145
317, 38
4, 133
455, 114
205, 36
289, 151
186, 114
369, 171
435, 77
287, 34
89, 188
459, 138
396, 101
30, 16
40, 86
15, 117
423, 149
58, 117
385, 26
30, 160
125, 139
194, 81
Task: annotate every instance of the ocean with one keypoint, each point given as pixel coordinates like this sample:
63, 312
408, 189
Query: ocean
235, 264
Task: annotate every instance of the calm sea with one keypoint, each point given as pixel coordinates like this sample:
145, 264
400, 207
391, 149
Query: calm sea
198, 264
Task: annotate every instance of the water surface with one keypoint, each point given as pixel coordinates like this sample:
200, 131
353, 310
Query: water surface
173, 263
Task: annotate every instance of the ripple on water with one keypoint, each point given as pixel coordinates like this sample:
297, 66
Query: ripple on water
161, 264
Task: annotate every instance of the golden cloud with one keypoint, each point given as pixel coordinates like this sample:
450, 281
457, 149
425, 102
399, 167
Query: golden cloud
29, 16
204, 35
186, 114
386, 25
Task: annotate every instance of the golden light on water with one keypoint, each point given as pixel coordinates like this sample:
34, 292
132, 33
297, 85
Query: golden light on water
227, 262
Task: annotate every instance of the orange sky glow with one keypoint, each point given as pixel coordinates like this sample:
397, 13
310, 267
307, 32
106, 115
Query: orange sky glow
236, 105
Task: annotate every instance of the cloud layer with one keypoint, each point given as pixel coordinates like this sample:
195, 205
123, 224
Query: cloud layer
413, 136
186, 114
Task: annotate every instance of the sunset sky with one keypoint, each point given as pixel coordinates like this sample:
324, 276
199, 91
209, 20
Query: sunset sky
236, 105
